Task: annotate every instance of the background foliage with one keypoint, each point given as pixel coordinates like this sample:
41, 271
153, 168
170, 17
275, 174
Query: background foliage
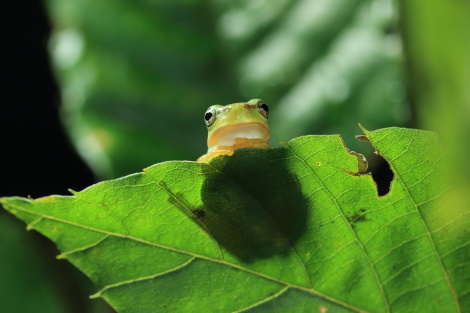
136, 83
136, 77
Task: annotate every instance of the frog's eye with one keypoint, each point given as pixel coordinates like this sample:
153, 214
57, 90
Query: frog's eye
263, 109
210, 116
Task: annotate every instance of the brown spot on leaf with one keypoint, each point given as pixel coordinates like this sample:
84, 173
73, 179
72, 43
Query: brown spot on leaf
357, 217
199, 213
323, 309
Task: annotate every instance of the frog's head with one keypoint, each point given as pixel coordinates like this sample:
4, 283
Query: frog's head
248, 120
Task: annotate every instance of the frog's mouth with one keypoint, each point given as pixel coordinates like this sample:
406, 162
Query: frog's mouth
226, 135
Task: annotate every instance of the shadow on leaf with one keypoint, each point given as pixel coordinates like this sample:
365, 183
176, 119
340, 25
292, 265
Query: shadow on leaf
252, 206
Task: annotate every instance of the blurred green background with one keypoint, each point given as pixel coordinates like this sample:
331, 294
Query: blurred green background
136, 77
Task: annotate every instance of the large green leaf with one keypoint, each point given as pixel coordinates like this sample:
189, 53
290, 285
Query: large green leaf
290, 229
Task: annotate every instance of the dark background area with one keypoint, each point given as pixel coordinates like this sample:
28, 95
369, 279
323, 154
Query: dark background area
37, 158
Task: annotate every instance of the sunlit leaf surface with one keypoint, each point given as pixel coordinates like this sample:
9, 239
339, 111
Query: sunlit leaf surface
291, 229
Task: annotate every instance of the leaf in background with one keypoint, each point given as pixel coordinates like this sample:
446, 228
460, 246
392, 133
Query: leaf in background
287, 229
137, 76
16, 272
437, 42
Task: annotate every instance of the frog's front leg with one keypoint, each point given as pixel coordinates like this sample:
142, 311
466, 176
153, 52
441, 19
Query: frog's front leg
240, 143
219, 150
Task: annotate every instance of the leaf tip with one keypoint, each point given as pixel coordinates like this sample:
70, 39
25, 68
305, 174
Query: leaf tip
364, 130
5, 202
96, 295
60, 256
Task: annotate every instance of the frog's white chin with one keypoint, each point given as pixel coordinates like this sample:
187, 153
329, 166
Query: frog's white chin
225, 136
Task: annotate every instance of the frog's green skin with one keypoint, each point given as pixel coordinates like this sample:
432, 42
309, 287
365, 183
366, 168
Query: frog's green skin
236, 126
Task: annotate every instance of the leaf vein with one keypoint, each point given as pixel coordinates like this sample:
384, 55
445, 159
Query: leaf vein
81, 249
130, 281
274, 296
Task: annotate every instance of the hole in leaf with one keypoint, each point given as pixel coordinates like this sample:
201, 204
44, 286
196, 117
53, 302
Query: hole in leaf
378, 167
382, 175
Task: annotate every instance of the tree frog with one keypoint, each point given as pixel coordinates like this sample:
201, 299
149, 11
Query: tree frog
236, 126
